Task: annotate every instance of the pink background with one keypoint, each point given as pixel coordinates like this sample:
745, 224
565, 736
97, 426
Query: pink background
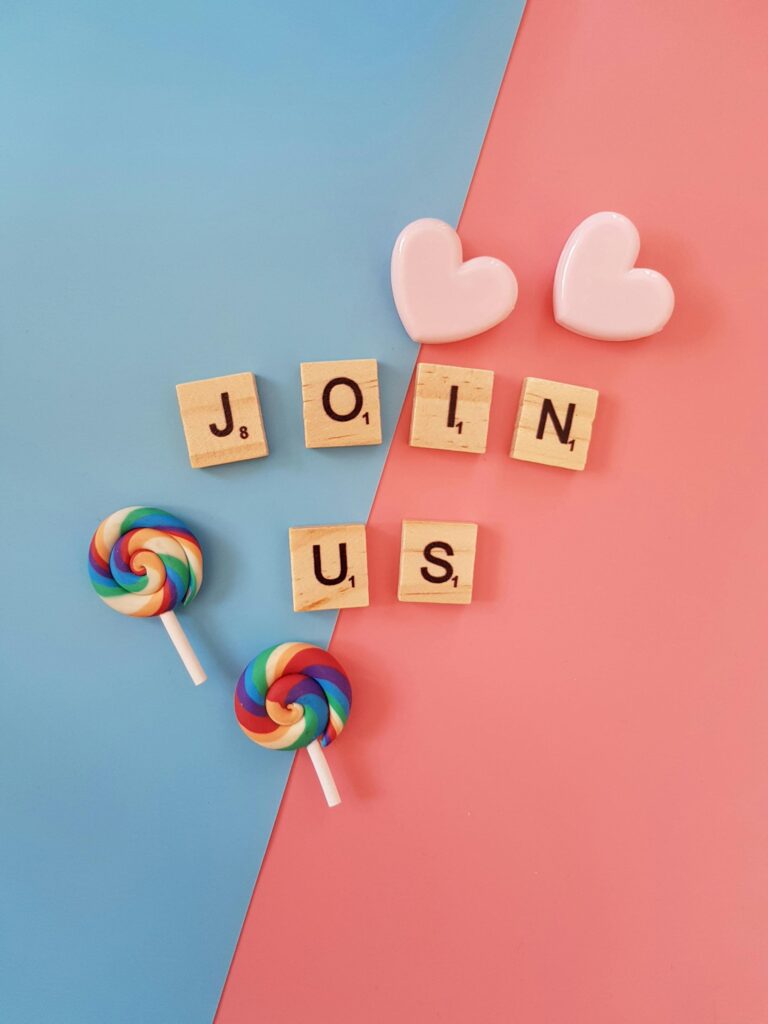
555, 798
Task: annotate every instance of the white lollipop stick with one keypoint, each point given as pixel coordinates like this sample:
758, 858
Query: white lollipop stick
320, 765
184, 647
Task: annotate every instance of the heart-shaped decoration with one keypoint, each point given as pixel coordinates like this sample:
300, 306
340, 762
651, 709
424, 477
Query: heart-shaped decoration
599, 292
438, 297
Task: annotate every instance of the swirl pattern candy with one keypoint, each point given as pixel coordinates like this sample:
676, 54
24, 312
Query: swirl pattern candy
143, 561
292, 694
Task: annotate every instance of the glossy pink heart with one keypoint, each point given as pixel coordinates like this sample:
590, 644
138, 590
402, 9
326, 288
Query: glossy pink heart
600, 292
440, 298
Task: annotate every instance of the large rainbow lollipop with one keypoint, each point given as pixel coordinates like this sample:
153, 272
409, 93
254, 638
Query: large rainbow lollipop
143, 562
295, 695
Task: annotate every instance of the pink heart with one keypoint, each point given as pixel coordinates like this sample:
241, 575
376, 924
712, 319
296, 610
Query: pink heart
600, 292
438, 297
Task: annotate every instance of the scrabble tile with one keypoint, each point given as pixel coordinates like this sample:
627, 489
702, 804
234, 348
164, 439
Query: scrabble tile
341, 403
451, 408
329, 567
222, 420
437, 562
554, 423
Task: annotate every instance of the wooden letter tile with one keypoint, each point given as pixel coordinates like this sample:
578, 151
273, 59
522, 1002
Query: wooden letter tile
329, 567
222, 420
341, 403
437, 562
554, 423
451, 408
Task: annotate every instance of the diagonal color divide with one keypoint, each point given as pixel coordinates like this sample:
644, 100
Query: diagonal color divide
190, 191
559, 790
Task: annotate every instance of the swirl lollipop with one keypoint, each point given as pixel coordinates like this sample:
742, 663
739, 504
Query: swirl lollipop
142, 562
295, 695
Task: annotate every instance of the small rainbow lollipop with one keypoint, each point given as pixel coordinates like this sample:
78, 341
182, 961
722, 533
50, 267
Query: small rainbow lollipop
143, 562
295, 695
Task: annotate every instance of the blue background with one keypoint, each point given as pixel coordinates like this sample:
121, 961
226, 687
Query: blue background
186, 190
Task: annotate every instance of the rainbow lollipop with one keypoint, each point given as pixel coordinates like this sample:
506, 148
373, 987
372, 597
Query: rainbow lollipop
143, 562
295, 695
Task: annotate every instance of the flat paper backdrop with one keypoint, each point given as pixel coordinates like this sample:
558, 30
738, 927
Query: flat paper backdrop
187, 191
562, 817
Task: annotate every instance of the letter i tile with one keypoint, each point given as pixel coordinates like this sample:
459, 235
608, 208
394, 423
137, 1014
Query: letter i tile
451, 408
